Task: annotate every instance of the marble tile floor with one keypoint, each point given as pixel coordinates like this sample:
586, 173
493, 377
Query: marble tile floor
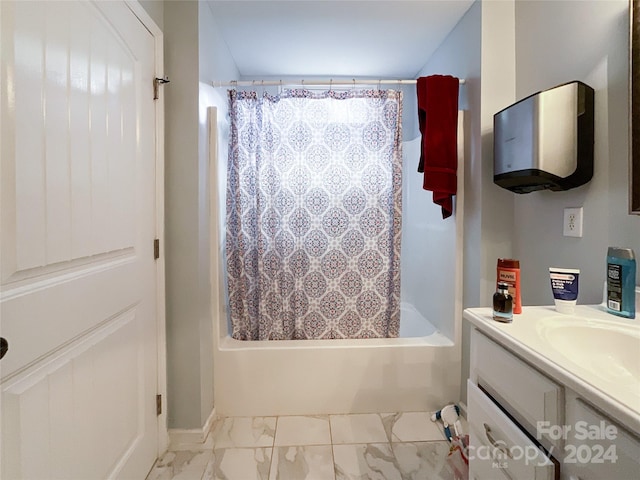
387, 446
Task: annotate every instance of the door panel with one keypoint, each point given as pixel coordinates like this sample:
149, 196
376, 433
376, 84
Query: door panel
74, 146
59, 411
77, 213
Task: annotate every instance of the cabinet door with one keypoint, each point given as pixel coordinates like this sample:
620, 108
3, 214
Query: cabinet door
524, 392
598, 448
497, 444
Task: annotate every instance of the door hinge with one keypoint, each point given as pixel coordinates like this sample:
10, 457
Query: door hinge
156, 249
158, 405
156, 84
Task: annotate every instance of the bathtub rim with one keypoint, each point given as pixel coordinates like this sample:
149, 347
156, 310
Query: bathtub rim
433, 339
436, 340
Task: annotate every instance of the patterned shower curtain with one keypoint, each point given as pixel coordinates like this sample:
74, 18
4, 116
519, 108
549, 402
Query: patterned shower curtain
314, 214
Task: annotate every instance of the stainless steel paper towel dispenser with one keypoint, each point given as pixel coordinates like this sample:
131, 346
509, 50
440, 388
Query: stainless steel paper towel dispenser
545, 141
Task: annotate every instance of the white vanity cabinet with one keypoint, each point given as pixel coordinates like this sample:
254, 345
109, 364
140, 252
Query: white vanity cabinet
528, 420
505, 399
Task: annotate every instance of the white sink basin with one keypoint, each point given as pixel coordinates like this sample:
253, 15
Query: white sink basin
609, 351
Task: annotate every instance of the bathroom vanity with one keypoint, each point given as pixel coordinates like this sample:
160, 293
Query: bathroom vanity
554, 396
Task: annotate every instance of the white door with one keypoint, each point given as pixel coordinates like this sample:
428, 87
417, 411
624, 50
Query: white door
77, 271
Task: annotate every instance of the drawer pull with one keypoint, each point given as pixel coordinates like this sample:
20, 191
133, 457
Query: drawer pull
492, 441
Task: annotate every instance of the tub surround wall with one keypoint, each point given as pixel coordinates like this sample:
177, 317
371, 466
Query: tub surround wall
425, 274
430, 259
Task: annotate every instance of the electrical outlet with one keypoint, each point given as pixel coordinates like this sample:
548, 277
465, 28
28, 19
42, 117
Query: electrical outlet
572, 226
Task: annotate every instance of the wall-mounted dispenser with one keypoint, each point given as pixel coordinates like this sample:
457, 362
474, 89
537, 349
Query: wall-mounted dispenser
545, 141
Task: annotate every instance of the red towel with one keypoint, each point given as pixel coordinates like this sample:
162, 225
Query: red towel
438, 119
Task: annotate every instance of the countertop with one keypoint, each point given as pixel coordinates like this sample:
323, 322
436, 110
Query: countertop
528, 337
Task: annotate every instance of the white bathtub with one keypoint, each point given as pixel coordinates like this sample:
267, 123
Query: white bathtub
419, 371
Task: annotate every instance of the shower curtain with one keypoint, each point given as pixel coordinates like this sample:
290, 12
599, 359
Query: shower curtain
314, 214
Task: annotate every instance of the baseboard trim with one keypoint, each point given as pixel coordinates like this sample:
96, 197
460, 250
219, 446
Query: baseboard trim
463, 409
193, 437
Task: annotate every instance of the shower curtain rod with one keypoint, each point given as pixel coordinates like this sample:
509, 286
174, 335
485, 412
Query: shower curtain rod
330, 82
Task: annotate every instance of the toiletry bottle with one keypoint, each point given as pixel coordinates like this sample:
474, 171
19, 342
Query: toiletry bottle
503, 304
621, 282
509, 271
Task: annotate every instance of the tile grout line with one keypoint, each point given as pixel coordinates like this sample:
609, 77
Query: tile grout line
273, 447
207, 464
333, 458
390, 434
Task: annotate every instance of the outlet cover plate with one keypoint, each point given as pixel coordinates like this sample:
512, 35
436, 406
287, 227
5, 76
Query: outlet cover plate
572, 226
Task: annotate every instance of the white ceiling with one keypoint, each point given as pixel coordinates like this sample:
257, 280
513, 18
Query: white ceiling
334, 38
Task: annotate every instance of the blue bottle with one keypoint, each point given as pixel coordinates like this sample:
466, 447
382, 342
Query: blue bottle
621, 282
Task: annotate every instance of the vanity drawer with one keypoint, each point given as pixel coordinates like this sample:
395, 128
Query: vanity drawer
498, 447
525, 393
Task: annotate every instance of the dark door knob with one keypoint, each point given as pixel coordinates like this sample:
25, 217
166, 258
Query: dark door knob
4, 347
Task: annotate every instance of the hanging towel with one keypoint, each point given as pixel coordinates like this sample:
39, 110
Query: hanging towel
438, 120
